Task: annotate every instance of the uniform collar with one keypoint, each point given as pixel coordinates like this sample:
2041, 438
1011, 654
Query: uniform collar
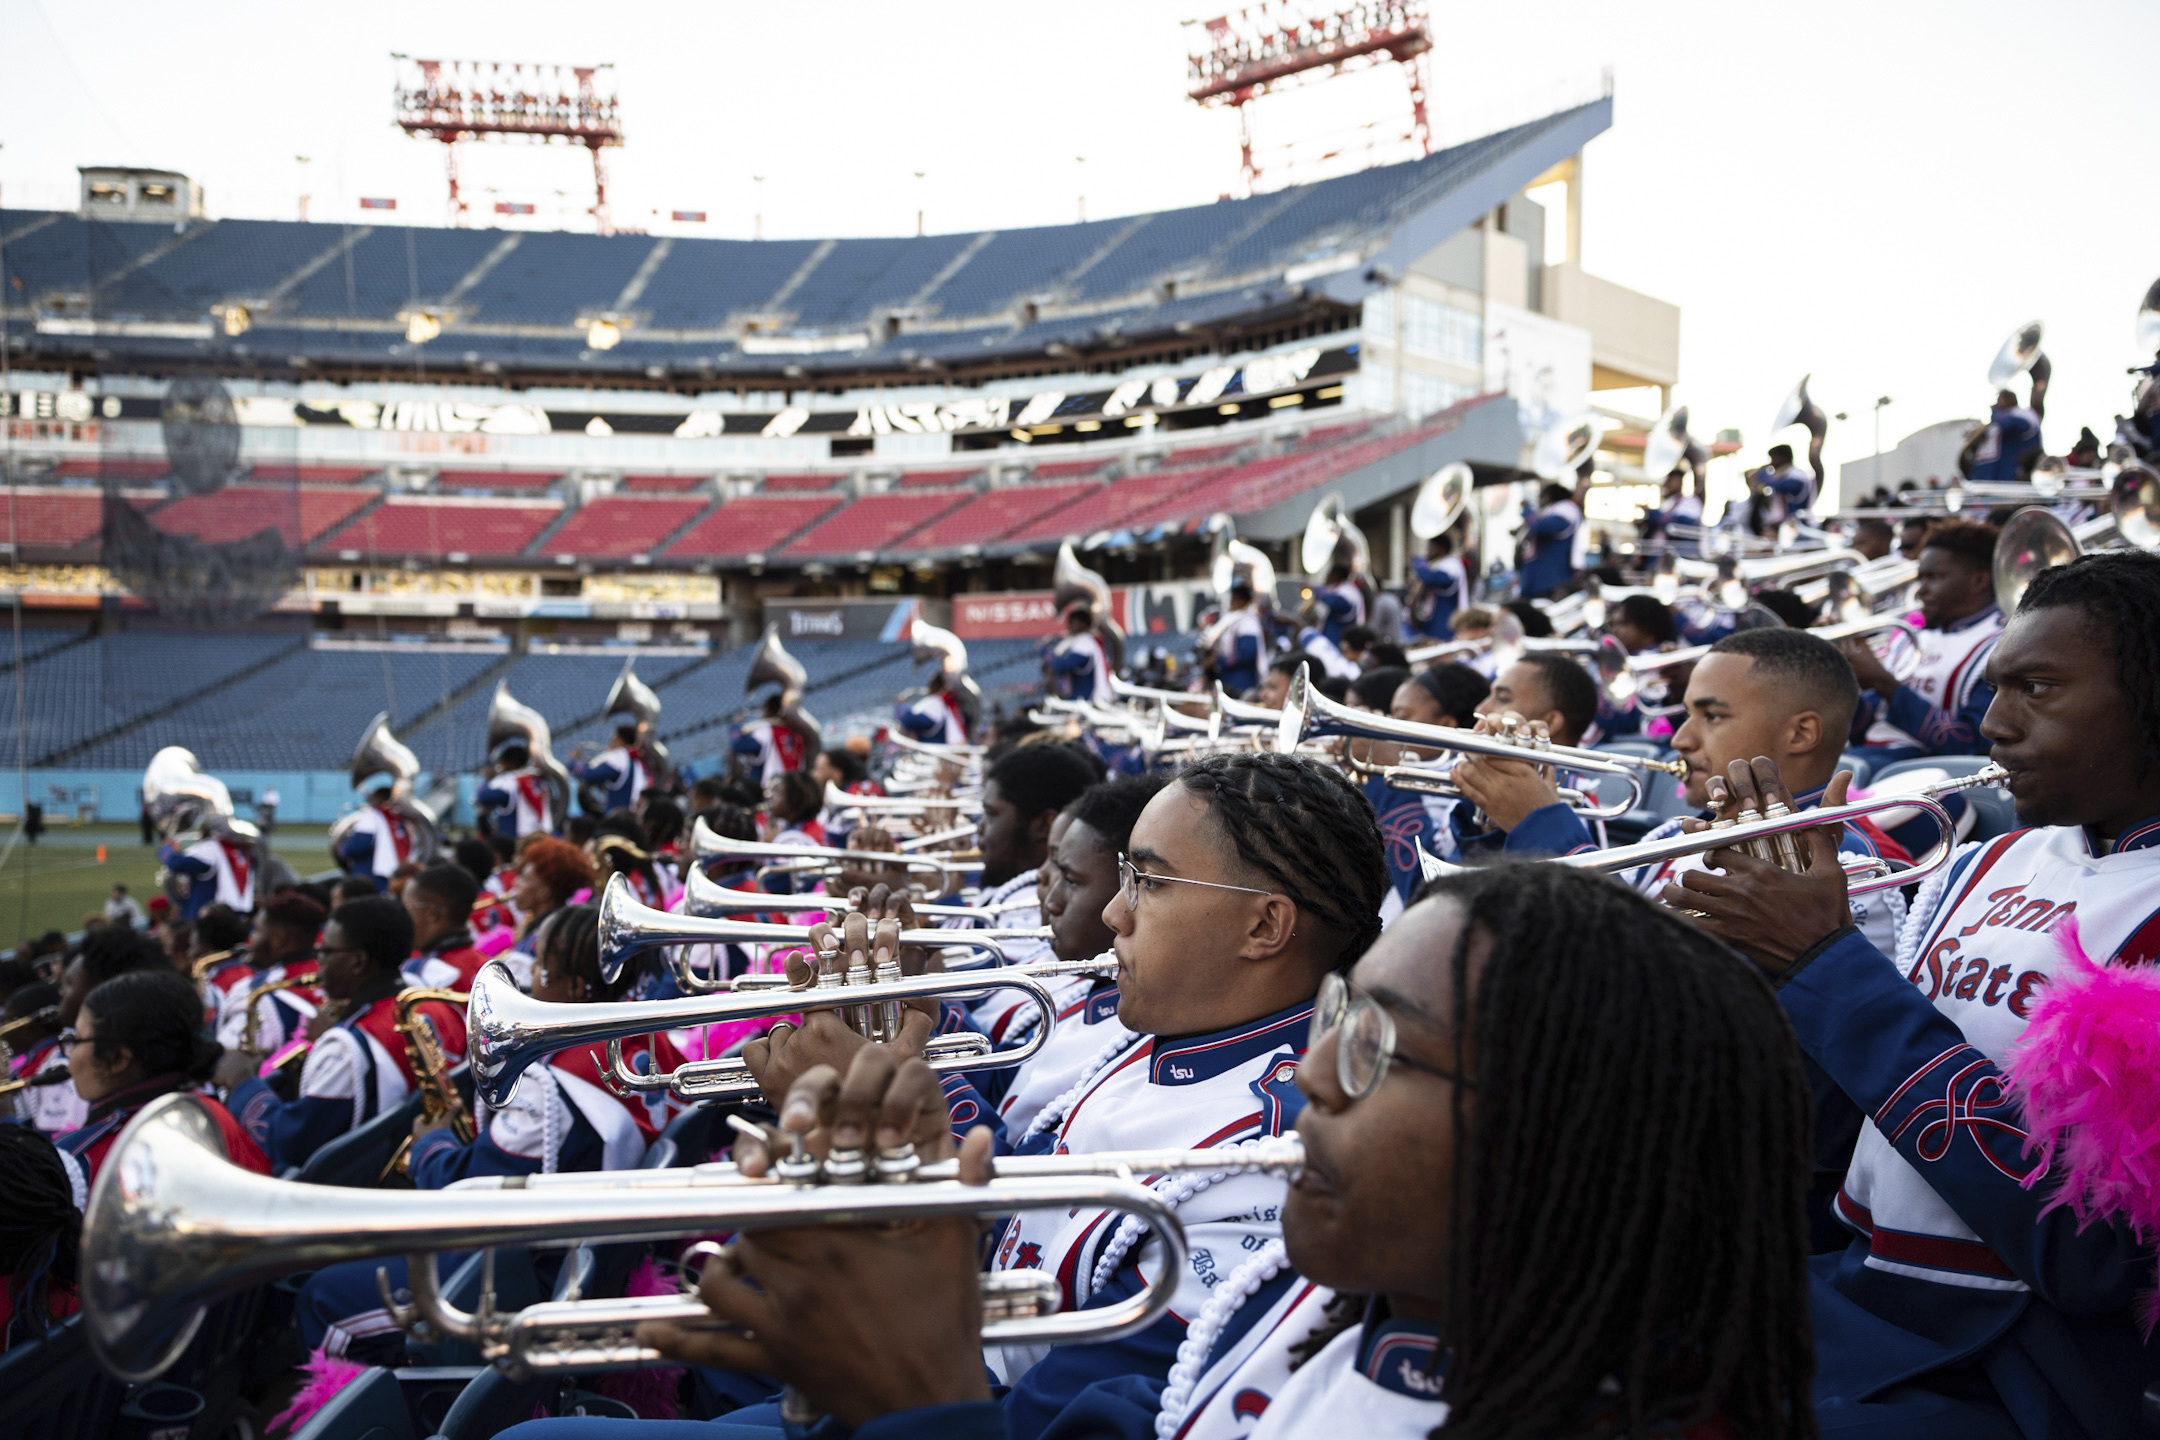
1978, 617
458, 939
2145, 835
1397, 1355
126, 1102
1190, 1059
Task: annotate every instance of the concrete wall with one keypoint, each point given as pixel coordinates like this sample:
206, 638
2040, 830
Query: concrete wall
305, 797
1634, 338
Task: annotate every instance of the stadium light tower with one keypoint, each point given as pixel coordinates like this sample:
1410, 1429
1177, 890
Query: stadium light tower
452, 100
1271, 46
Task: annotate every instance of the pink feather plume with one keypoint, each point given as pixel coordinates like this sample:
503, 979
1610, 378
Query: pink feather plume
653, 1394
2086, 1073
327, 1375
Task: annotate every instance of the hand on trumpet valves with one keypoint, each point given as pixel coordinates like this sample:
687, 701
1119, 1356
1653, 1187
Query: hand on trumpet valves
858, 1321
1775, 906
1507, 790
853, 953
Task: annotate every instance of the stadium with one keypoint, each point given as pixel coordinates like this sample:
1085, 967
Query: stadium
463, 456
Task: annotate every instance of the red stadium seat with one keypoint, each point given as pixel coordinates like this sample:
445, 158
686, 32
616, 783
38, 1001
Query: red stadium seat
990, 517
616, 527
876, 523
660, 484
429, 526
752, 525
794, 484
238, 511
497, 479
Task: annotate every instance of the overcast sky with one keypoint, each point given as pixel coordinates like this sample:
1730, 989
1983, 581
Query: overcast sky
1877, 193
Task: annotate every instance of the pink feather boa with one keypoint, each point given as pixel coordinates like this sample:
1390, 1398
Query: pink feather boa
2087, 1074
653, 1394
327, 1375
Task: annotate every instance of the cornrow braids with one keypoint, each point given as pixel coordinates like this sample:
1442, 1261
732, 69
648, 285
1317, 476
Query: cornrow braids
1308, 830
2119, 591
1629, 1192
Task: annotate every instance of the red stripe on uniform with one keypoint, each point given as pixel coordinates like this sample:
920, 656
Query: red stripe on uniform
1936, 1253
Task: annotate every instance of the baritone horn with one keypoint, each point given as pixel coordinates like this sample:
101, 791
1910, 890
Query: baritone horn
173, 1226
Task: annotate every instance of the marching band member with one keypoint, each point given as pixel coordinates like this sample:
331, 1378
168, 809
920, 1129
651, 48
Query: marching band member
1938, 710
1521, 801
773, 741
1441, 695
219, 928
550, 872
1643, 626
935, 716
139, 1036
107, 953
280, 947
616, 851
1275, 684
440, 900
2006, 446
1476, 1245
560, 1118
40, 1248
1967, 1303
1787, 491
1678, 505
1548, 541
619, 771
357, 1068
842, 768
1249, 878
1442, 584
381, 839
1076, 665
1240, 641
1873, 538
216, 869
513, 800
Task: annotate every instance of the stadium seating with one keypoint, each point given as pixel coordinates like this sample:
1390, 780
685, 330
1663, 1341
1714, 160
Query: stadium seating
994, 514
300, 516
564, 688
115, 469
875, 524
73, 694
1112, 506
53, 519
752, 525
307, 474
936, 479
796, 484
428, 526
661, 484
496, 479
618, 527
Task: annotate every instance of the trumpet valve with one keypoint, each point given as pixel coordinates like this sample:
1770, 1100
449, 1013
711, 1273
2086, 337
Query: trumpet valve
1019, 1295
1788, 853
898, 1163
798, 1165
846, 1167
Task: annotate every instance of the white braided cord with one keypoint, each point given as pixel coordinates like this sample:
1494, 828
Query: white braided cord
1229, 1298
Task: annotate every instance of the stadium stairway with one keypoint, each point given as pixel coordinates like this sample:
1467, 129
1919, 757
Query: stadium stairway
326, 543
564, 516
82, 747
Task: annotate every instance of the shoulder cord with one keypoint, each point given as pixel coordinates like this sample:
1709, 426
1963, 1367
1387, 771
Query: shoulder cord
1192, 1355
1177, 1189
1922, 913
550, 1110
1053, 1113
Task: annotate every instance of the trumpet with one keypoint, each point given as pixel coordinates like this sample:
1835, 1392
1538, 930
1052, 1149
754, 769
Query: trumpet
173, 1226
706, 898
958, 753
1307, 714
839, 799
1768, 836
707, 848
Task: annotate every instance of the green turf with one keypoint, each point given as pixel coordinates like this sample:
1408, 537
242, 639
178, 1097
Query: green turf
53, 884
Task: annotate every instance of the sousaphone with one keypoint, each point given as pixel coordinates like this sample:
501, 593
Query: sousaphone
511, 719
1232, 556
771, 664
1329, 533
635, 697
1072, 583
1668, 445
1567, 443
929, 642
2021, 355
1798, 409
380, 752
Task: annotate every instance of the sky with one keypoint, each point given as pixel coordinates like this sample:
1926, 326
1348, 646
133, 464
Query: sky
1876, 194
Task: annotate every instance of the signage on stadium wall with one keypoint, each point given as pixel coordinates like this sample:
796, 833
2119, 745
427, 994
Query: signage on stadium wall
1169, 608
1132, 405
842, 619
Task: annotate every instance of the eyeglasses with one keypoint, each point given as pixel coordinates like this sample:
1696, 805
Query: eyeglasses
1129, 880
1367, 1044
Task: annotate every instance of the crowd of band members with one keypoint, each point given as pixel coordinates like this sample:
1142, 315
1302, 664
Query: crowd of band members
1749, 1173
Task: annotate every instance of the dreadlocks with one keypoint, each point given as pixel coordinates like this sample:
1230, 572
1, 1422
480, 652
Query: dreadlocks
1633, 1162
39, 1235
2119, 591
1308, 830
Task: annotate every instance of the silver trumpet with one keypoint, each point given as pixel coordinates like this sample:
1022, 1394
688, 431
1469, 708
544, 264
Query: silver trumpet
708, 848
1769, 835
1307, 715
909, 805
706, 897
173, 1226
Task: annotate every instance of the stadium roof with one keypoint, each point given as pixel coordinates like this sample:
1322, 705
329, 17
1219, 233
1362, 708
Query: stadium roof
263, 297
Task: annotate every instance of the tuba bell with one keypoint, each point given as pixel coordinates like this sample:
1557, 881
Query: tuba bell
1232, 555
1567, 443
633, 696
1799, 409
772, 665
1331, 536
511, 719
1669, 445
2021, 355
378, 753
185, 804
1072, 583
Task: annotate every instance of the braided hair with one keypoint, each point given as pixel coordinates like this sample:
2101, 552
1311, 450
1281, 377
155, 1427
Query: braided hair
40, 1234
1308, 830
1631, 1173
2119, 591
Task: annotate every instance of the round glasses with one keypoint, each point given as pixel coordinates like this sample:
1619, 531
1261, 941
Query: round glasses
1129, 880
1366, 1045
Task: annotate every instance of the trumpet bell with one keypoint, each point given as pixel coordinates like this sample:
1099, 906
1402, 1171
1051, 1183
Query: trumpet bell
2136, 502
2017, 355
2032, 540
1441, 501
